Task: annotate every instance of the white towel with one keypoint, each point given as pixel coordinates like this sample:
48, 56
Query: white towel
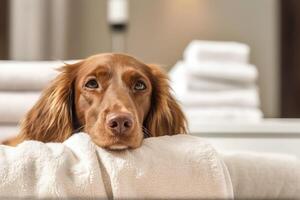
239, 73
8, 131
37, 170
28, 75
222, 52
165, 167
264, 175
221, 114
209, 84
248, 98
186, 76
14, 105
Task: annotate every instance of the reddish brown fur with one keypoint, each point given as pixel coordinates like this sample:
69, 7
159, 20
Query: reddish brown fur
66, 105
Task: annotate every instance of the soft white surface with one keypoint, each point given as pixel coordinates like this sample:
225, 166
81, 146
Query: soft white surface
188, 74
178, 166
202, 51
218, 114
264, 176
267, 127
247, 98
208, 84
240, 73
217, 87
28, 75
8, 131
34, 169
14, 105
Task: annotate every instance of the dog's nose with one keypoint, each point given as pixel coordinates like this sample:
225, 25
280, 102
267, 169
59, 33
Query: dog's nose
119, 123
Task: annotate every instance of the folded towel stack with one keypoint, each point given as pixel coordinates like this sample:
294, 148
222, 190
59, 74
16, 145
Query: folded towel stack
21, 83
215, 82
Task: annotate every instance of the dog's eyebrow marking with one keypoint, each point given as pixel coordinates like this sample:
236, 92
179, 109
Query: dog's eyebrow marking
133, 74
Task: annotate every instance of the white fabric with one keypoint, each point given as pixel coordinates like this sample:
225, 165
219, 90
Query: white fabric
14, 105
264, 175
8, 131
165, 167
223, 52
181, 167
239, 73
190, 97
222, 114
184, 77
28, 75
238, 98
216, 91
243, 73
203, 84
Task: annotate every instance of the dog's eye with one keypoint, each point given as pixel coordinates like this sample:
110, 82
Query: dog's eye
93, 84
140, 85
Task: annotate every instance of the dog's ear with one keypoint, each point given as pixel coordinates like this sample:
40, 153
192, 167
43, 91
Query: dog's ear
165, 116
52, 117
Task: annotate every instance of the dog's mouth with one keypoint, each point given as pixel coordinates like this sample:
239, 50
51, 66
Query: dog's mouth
105, 139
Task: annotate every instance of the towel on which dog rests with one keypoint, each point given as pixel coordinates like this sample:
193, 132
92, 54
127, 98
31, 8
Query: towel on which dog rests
165, 167
180, 167
54, 170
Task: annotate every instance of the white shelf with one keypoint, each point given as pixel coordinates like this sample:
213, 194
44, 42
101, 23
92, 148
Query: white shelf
271, 126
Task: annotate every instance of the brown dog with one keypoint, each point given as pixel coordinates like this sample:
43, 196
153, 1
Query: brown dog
114, 98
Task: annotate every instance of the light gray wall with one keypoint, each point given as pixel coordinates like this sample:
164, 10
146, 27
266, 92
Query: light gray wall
159, 31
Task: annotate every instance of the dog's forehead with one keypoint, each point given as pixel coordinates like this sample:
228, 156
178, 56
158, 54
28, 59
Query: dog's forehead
111, 62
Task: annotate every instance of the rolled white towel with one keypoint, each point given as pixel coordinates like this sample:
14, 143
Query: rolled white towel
202, 51
264, 175
169, 167
27, 75
14, 105
8, 131
232, 114
235, 98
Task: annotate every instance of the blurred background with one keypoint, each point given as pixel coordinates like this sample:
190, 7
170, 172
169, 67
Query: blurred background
234, 66
158, 31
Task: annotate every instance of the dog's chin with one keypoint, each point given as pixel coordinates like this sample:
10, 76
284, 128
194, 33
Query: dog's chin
110, 142
118, 147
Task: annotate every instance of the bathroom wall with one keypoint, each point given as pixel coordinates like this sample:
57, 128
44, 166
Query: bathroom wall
159, 30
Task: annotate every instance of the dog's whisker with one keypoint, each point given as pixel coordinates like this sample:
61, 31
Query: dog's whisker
146, 132
79, 128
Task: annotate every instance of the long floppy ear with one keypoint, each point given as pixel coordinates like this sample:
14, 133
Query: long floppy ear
165, 116
51, 118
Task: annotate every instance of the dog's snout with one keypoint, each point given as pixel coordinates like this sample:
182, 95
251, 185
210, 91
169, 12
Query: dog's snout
119, 123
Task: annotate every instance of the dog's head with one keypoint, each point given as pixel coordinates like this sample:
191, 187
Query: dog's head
115, 98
